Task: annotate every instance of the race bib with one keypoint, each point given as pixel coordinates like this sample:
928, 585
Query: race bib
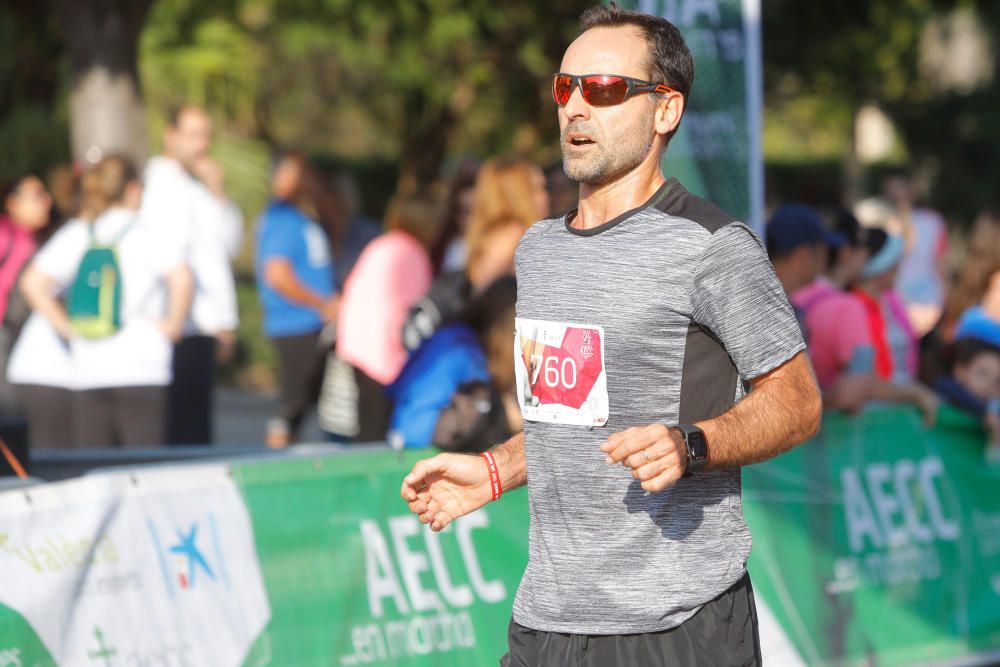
560, 372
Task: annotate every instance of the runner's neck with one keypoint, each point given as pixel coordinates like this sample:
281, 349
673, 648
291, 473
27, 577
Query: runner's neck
601, 203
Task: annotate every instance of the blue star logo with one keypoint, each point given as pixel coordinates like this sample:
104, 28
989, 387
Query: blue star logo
186, 547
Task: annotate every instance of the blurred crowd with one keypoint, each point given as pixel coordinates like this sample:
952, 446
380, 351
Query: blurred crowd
884, 318
117, 300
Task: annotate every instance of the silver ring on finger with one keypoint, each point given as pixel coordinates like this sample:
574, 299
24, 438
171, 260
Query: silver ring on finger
645, 455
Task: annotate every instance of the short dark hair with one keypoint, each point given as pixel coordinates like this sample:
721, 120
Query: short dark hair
845, 224
967, 349
875, 240
669, 60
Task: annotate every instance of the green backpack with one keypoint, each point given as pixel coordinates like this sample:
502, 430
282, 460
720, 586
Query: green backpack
94, 303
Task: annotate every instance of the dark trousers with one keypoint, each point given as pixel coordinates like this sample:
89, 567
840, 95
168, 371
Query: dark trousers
300, 374
374, 408
190, 398
354, 407
50, 416
723, 633
120, 416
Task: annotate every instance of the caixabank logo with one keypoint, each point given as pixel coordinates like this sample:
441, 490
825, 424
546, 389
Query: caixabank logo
189, 555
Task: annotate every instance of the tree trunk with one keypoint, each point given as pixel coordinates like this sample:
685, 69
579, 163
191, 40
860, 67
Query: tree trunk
107, 114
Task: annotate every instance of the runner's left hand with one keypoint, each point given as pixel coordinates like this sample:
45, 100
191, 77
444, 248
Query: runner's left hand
665, 458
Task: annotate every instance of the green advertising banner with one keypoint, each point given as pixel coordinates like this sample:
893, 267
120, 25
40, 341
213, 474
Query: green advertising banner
355, 579
717, 151
880, 542
876, 543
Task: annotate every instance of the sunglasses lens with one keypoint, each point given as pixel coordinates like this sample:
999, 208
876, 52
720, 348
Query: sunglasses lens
562, 89
604, 91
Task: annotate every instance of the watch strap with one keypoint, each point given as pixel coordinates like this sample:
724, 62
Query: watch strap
696, 445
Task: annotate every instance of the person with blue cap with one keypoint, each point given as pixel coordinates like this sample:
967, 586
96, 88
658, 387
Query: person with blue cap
833, 319
797, 244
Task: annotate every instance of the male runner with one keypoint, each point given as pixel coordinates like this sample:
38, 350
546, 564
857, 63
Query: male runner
640, 317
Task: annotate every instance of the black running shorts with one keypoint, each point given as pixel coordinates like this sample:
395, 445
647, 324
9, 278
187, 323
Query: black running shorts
722, 634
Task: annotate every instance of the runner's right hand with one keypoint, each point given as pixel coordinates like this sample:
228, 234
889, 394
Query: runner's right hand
444, 487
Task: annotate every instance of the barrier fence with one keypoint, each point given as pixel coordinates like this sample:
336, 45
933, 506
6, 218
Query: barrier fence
877, 543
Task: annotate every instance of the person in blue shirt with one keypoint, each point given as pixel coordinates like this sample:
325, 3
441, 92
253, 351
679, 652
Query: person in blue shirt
466, 355
296, 287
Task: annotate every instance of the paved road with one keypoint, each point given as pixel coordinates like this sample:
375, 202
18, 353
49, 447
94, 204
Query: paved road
241, 418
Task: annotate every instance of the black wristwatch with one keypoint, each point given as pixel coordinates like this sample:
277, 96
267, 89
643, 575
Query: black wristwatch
697, 447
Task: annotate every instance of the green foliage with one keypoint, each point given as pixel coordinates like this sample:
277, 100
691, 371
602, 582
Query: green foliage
858, 50
32, 140
245, 163
34, 128
823, 60
401, 80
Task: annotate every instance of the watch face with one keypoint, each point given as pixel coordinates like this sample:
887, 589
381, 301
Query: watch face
697, 445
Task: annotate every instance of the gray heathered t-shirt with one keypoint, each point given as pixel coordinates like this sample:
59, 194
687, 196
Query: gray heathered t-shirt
680, 303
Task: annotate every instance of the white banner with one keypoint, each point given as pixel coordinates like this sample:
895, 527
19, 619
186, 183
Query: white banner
157, 567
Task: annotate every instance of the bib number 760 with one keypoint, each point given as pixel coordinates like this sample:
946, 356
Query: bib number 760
556, 374
560, 372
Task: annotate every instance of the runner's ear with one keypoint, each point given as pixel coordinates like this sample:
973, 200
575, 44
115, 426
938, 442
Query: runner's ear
667, 115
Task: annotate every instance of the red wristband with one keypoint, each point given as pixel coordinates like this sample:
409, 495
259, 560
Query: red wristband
491, 466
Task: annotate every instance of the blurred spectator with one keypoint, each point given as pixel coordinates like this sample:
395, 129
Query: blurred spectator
834, 320
893, 339
563, 192
28, 209
473, 349
201, 222
118, 296
846, 259
479, 414
974, 386
390, 276
359, 230
510, 196
979, 273
64, 184
295, 282
449, 253
974, 380
922, 273
797, 245
980, 263
860, 342
230, 223
983, 321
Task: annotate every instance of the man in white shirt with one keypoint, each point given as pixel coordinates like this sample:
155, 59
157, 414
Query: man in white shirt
201, 221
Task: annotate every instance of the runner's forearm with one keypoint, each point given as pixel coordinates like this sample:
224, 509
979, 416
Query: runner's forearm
783, 409
511, 462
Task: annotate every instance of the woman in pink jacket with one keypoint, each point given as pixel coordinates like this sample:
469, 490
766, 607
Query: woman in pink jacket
392, 273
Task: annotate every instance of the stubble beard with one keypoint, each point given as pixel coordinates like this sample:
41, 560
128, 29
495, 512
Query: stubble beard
608, 160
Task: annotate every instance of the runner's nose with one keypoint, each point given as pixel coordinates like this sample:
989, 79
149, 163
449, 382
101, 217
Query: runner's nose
576, 106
